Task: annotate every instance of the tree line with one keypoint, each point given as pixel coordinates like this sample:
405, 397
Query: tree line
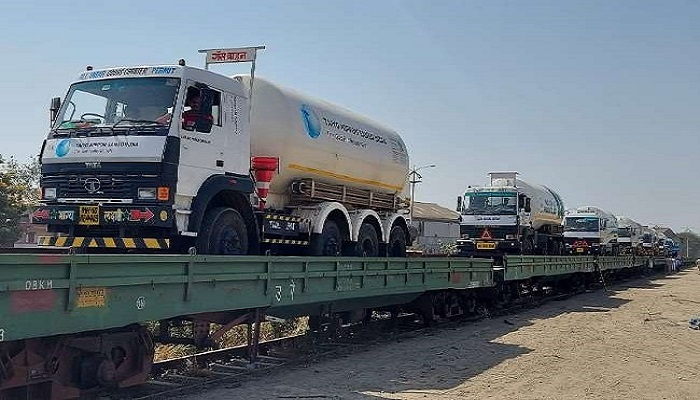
19, 192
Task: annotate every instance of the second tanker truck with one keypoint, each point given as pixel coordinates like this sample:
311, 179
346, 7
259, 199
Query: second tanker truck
591, 230
510, 216
170, 157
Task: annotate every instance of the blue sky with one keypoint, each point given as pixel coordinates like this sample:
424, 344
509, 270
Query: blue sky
598, 99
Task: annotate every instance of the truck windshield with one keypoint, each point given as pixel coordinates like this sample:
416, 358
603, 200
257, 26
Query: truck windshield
624, 232
584, 224
484, 204
115, 105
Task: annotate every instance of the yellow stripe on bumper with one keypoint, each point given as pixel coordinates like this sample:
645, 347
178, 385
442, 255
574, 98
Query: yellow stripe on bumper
105, 242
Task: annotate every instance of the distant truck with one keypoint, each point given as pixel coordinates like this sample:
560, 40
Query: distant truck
647, 245
629, 235
173, 156
590, 230
510, 216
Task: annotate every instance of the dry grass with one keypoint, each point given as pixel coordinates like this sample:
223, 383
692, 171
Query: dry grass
235, 337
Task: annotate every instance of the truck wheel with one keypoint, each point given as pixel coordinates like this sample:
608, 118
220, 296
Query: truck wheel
225, 233
329, 242
367, 242
397, 242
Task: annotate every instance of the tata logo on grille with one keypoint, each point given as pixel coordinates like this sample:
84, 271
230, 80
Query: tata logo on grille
92, 185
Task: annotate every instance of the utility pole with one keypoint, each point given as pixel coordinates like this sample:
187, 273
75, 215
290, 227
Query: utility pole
414, 178
687, 243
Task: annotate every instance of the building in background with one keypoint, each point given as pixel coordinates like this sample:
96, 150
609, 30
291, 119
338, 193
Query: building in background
29, 232
437, 229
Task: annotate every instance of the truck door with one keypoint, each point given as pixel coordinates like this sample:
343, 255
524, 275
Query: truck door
234, 111
202, 139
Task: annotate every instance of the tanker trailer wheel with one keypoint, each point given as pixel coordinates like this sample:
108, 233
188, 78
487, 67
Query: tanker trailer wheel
397, 242
367, 242
224, 233
329, 242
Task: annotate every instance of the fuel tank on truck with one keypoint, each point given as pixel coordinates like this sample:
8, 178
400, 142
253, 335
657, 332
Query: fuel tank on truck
319, 140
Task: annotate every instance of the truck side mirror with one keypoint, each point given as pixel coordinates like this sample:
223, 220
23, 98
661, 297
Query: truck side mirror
527, 205
53, 109
459, 203
521, 201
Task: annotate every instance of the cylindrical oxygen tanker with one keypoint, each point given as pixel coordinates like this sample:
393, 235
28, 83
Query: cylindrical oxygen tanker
319, 140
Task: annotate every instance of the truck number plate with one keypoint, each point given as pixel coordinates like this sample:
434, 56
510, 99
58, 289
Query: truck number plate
89, 215
579, 250
485, 246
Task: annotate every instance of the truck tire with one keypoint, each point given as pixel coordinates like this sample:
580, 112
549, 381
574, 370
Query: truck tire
397, 242
224, 233
367, 242
329, 242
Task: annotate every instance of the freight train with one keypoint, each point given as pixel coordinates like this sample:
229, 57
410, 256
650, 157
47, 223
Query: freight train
175, 157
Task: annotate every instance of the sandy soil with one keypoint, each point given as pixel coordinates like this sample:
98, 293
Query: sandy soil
632, 342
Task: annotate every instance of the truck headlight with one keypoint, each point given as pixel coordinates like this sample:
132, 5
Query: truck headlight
510, 237
50, 193
147, 193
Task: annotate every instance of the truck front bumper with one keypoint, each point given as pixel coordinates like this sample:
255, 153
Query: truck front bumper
104, 215
487, 247
104, 242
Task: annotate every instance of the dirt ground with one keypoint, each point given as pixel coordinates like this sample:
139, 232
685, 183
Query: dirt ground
632, 342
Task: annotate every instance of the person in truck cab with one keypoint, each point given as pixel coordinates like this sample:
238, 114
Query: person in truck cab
191, 114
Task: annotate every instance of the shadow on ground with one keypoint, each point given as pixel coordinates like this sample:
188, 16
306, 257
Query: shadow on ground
457, 354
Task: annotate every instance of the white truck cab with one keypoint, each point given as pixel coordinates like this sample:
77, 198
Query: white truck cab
590, 230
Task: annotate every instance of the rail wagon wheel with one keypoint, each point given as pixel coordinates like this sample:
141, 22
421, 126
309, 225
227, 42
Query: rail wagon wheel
328, 242
397, 242
224, 233
367, 242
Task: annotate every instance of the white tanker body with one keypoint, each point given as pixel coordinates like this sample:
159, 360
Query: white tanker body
590, 230
318, 140
510, 216
168, 157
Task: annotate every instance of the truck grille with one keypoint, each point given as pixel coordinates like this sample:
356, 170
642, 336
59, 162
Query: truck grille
104, 186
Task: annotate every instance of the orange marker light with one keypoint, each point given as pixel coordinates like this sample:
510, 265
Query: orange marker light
163, 193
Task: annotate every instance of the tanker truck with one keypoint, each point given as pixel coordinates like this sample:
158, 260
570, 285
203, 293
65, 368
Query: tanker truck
510, 216
647, 245
590, 230
629, 235
175, 157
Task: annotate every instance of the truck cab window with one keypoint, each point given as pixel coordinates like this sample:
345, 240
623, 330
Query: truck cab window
202, 109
